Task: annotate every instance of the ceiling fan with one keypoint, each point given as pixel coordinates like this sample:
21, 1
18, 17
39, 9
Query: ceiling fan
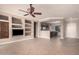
30, 11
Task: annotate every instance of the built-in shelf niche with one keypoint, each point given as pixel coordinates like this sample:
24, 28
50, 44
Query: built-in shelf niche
27, 33
3, 17
16, 20
16, 23
28, 21
28, 27
16, 26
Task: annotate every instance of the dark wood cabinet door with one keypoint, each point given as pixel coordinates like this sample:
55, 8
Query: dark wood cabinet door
4, 30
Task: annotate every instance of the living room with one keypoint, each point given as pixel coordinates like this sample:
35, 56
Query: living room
39, 27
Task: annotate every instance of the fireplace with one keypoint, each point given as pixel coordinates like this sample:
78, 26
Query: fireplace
16, 32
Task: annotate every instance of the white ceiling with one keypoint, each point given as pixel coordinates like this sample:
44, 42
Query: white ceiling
48, 10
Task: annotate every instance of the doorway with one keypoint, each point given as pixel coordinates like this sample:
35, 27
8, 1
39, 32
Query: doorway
35, 29
55, 29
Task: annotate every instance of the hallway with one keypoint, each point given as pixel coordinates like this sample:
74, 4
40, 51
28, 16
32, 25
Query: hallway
41, 47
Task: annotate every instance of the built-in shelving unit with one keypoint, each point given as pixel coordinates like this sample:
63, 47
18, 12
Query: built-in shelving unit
28, 27
14, 27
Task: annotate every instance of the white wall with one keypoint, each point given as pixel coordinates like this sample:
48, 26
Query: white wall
78, 29
71, 30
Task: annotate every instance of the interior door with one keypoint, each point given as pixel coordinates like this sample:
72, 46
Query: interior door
34, 29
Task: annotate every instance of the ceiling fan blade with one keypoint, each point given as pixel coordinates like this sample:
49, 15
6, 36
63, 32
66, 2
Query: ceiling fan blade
23, 10
32, 15
26, 14
37, 13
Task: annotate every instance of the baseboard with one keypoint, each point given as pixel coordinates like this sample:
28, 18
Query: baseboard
13, 41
